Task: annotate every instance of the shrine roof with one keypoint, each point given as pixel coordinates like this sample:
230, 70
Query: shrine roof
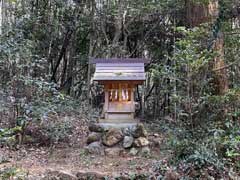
117, 70
118, 60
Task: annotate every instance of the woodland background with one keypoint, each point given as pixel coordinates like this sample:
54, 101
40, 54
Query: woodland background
192, 92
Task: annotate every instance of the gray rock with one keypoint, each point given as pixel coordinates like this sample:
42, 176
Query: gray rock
93, 137
112, 137
95, 148
128, 141
141, 142
58, 175
122, 177
91, 175
133, 151
127, 131
94, 127
139, 131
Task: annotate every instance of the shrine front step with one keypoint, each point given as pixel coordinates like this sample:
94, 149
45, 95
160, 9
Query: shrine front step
117, 125
121, 123
116, 116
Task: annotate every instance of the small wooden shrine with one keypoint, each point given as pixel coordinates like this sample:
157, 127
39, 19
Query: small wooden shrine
120, 78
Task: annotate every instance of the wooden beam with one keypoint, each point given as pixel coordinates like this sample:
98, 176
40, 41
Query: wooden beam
134, 82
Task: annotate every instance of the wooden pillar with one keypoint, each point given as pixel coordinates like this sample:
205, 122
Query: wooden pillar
143, 101
120, 91
106, 101
132, 101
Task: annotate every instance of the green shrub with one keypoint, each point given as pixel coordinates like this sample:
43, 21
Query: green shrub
58, 131
8, 136
13, 173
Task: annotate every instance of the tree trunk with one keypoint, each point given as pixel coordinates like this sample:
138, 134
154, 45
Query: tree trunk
200, 13
90, 53
221, 80
1, 16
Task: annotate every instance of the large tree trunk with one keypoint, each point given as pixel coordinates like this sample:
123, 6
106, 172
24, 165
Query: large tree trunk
221, 80
201, 13
198, 13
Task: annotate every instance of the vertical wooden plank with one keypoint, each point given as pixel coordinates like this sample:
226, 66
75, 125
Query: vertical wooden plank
120, 91
143, 101
132, 101
106, 99
132, 98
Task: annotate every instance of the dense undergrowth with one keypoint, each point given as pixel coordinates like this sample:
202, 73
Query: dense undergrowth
210, 148
43, 119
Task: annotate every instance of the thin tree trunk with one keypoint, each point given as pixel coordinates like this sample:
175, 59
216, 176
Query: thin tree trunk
62, 53
1, 16
90, 54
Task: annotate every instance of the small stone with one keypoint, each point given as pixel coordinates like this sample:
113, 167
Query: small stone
133, 151
127, 131
127, 141
112, 137
94, 127
122, 177
145, 151
53, 174
113, 152
93, 137
95, 148
90, 175
141, 141
139, 131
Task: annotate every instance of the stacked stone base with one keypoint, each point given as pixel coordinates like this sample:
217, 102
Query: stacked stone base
118, 141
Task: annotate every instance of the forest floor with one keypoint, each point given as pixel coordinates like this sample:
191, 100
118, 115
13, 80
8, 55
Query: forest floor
71, 157
36, 161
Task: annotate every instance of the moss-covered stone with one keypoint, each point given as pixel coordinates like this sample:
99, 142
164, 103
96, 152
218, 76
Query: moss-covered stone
139, 131
112, 137
93, 137
141, 142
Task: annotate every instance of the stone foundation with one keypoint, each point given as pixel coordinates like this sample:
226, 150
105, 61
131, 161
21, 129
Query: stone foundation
110, 141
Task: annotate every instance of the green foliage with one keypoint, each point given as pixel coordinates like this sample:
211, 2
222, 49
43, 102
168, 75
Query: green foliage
204, 156
13, 173
10, 131
161, 166
58, 131
8, 135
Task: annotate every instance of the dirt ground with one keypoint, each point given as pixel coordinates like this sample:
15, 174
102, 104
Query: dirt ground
37, 160
70, 156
